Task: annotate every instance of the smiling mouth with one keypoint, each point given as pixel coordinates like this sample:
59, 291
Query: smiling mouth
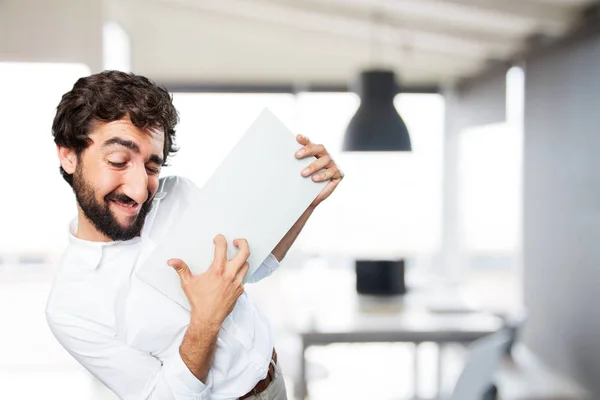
129, 207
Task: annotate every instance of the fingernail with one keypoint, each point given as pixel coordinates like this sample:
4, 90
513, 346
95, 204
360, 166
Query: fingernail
305, 171
299, 153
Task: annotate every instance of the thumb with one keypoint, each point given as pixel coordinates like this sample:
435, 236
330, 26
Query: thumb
181, 268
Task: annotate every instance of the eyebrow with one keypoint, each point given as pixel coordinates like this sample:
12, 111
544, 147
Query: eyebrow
154, 158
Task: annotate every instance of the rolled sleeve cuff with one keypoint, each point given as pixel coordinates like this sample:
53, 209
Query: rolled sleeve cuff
265, 269
183, 382
271, 262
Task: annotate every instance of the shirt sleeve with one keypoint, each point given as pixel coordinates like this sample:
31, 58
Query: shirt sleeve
130, 373
265, 269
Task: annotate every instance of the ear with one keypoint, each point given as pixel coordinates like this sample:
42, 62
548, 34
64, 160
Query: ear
68, 159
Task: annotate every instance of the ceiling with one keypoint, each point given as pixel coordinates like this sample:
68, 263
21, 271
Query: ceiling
326, 42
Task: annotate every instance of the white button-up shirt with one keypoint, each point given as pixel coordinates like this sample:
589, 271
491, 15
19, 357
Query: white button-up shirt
127, 334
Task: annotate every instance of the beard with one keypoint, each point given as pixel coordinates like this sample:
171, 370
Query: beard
100, 214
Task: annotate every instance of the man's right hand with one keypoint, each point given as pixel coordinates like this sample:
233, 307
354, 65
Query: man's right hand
213, 294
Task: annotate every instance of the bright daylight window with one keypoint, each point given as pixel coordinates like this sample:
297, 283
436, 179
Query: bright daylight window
36, 203
490, 204
210, 126
408, 189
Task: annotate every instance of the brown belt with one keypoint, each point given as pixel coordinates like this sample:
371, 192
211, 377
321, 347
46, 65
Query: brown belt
261, 386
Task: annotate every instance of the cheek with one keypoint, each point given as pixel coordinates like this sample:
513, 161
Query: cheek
102, 180
107, 182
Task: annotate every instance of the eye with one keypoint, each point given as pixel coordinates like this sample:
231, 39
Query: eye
117, 164
153, 171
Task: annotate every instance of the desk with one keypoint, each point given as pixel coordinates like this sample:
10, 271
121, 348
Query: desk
347, 317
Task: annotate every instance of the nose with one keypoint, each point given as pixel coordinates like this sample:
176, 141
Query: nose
136, 186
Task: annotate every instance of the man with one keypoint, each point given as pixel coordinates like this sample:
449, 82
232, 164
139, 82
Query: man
113, 133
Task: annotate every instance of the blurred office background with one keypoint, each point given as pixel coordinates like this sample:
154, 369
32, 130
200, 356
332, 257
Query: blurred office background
495, 211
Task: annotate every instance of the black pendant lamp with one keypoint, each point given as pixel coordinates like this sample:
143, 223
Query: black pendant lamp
376, 126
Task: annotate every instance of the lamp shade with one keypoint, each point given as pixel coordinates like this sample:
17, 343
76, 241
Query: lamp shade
377, 126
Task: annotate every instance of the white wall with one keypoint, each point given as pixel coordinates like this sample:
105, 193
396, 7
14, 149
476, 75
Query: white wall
562, 209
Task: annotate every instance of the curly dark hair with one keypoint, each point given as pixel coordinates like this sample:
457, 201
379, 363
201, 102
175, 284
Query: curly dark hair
109, 96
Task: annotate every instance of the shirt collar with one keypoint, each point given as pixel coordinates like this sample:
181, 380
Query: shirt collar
90, 251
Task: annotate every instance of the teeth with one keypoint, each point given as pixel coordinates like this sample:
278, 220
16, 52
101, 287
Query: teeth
130, 205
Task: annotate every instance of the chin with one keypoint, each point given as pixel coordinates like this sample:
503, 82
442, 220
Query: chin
127, 222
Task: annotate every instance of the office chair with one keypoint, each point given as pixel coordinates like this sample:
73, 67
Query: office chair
476, 379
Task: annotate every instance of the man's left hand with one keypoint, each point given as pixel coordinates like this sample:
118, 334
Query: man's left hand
322, 169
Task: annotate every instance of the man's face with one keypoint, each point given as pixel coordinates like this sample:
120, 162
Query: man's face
116, 177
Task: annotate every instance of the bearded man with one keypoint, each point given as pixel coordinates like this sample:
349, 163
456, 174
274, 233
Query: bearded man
114, 131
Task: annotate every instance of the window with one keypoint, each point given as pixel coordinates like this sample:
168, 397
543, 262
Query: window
406, 187
490, 205
35, 204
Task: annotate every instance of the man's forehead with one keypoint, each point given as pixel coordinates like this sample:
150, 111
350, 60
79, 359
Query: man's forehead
127, 127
